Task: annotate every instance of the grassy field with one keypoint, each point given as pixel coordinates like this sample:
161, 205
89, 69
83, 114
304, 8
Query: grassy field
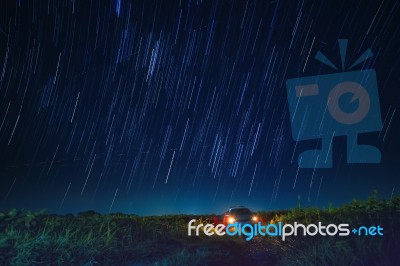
90, 238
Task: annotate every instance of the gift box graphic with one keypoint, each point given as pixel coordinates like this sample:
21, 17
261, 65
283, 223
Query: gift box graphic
339, 104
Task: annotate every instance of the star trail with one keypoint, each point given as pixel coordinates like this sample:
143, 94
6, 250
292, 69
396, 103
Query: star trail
155, 107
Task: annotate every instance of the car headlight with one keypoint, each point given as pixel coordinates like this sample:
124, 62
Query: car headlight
254, 218
231, 220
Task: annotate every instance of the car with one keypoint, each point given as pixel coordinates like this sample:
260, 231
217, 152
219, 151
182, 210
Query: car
239, 214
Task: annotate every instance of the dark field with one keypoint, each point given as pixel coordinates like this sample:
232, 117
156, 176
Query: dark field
89, 238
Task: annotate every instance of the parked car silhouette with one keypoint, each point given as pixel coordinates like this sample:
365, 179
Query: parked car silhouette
239, 214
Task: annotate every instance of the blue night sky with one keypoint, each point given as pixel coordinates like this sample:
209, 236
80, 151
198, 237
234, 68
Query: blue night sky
154, 107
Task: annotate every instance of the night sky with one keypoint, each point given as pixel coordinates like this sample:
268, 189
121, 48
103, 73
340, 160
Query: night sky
154, 107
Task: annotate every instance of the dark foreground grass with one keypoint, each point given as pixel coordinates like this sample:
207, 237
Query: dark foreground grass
342, 250
90, 238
